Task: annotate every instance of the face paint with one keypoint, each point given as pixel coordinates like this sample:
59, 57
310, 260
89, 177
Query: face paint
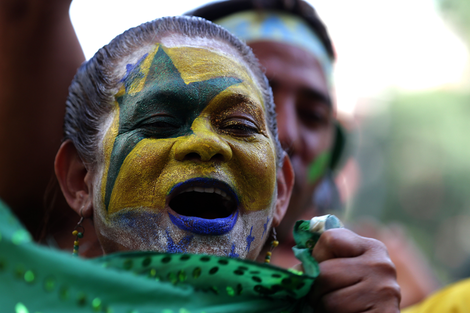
189, 163
163, 91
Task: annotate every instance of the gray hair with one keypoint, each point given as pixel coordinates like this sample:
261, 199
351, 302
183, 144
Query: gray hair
91, 94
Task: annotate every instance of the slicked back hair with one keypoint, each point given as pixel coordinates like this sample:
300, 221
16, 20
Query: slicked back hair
91, 94
219, 9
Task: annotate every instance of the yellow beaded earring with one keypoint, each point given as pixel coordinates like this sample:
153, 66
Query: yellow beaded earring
274, 244
78, 232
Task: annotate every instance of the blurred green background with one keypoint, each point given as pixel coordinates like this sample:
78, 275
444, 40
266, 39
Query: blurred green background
414, 158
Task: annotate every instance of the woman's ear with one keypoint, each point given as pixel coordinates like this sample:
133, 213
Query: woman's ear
285, 183
74, 179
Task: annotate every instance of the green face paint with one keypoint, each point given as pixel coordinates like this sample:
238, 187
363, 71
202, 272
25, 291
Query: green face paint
166, 107
318, 167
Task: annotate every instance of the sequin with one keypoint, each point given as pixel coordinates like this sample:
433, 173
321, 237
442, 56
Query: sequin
213, 270
172, 278
29, 276
96, 304
20, 308
197, 272
21, 236
49, 283
152, 273
230, 291
182, 275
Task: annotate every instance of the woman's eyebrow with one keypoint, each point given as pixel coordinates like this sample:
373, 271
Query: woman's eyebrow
239, 99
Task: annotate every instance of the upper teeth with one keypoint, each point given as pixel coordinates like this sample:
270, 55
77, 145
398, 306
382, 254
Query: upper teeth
207, 190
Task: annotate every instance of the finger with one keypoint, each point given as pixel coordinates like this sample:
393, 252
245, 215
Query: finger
384, 298
341, 273
340, 243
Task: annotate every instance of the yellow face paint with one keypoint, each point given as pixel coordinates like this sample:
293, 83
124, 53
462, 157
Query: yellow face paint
189, 119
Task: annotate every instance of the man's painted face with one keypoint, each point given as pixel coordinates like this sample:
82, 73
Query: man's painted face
305, 120
189, 161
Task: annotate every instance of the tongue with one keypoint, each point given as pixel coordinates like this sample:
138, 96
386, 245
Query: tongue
203, 205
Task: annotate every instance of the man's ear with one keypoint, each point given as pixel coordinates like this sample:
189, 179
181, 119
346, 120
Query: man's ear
74, 179
285, 183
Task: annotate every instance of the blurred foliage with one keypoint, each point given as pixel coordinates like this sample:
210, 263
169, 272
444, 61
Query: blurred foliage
457, 12
415, 161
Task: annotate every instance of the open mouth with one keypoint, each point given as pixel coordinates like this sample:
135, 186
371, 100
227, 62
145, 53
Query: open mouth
203, 206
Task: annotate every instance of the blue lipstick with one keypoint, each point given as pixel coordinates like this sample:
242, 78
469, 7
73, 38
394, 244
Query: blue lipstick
203, 206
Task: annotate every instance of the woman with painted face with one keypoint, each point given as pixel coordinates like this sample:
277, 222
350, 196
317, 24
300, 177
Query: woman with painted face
177, 149
170, 146
168, 130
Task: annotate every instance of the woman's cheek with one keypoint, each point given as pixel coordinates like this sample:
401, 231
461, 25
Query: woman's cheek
257, 173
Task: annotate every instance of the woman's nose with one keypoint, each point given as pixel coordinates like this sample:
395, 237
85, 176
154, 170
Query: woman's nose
203, 145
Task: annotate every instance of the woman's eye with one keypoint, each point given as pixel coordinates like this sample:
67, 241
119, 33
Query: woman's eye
159, 125
239, 127
156, 127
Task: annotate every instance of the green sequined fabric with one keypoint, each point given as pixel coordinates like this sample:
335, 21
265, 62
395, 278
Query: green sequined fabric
37, 279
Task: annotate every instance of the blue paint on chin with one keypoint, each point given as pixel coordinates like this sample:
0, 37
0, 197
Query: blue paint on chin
249, 240
202, 226
179, 247
232, 253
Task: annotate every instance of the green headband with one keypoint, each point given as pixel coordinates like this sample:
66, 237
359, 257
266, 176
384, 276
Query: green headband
277, 26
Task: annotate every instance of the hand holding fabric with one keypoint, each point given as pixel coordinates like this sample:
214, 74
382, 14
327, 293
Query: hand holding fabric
356, 275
